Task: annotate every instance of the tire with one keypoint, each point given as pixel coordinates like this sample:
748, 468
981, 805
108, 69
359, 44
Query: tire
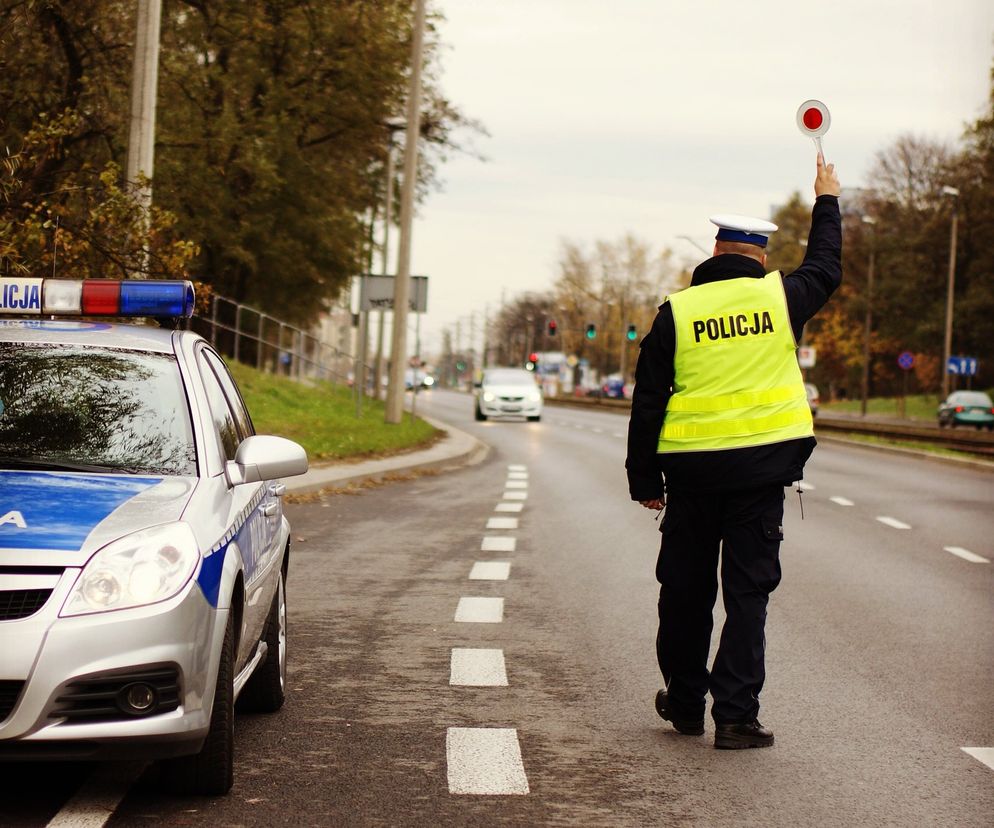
265, 691
480, 416
211, 772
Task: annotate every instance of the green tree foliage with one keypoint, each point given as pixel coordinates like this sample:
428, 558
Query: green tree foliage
272, 127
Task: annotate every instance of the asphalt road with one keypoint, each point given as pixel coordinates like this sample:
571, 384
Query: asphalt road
880, 655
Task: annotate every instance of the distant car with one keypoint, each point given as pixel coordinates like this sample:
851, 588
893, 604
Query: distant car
508, 391
419, 377
970, 408
813, 398
614, 388
144, 549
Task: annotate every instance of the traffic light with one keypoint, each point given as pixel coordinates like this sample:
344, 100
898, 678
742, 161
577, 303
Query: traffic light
591, 331
632, 333
553, 327
532, 362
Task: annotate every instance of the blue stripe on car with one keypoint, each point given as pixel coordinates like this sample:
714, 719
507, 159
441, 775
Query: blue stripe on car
55, 510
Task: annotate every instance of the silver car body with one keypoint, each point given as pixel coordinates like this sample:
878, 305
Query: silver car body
509, 392
60, 519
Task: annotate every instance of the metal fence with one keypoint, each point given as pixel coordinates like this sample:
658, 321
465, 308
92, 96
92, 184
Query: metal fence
247, 335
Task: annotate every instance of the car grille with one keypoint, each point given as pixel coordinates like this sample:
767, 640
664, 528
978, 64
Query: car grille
20, 603
99, 698
9, 692
511, 399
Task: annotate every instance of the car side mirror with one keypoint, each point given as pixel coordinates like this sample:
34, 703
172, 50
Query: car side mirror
264, 457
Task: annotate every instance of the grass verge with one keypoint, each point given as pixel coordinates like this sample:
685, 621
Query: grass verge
321, 417
917, 406
914, 445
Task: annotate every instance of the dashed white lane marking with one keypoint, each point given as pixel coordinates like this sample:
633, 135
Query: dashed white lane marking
94, 803
516, 484
597, 430
478, 610
509, 507
618, 434
477, 668
490, 571
517, 475
517, 467
516, 495
985, 755
502, 523
894, 523
806, 487
498, 543
842, 501
485, 761
965, 554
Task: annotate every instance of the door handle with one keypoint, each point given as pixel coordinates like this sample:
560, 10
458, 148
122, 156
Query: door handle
269, 509
277, 489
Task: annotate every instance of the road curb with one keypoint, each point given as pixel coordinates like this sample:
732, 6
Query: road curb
454, 450
959, 462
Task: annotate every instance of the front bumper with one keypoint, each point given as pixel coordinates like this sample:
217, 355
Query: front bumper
51, 655
510, 408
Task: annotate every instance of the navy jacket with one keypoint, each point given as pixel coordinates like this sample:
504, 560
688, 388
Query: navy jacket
807, 290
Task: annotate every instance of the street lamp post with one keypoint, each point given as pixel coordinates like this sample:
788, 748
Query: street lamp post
865, 385
953, 193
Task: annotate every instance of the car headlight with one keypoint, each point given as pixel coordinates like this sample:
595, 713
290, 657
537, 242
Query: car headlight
488, 396
142, 568
534, 396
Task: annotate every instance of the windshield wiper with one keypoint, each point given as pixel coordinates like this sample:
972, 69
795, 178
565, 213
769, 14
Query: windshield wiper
22, 463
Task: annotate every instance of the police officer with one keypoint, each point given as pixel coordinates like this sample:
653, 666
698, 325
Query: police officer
720, 425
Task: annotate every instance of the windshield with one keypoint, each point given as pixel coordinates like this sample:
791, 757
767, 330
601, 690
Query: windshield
971, 398
93, 409
509, 377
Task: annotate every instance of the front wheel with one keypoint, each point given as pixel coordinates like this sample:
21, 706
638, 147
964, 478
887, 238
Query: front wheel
212, 771
265, 691
480, 416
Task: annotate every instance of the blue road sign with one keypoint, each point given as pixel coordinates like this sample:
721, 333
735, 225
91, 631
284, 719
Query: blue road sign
906, 360
962, 366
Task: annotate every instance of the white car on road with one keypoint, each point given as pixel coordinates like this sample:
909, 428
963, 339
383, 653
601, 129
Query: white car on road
508, 392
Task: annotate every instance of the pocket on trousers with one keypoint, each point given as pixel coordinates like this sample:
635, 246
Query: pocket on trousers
772, 527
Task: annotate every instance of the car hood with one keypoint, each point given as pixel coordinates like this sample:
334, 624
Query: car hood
510, 390
62, 518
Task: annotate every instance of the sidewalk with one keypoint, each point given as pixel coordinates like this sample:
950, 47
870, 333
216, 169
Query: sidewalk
456, 448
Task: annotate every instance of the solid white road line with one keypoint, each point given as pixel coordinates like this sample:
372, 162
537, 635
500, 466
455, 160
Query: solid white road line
95, 801
515, 495
806, 487
490, 571
517, 467
985, 755
517, 475
477, 610
842, 501
516, 484
502, 523
965, 554
498, 543
477, 668
509, 507
894, 523
484, 761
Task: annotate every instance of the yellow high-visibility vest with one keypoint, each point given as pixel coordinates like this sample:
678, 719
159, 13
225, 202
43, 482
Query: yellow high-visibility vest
736, 378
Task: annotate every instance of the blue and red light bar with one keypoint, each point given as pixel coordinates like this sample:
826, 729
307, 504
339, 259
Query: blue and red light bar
96, 297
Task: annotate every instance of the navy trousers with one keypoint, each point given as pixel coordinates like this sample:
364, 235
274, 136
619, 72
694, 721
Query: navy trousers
746, 527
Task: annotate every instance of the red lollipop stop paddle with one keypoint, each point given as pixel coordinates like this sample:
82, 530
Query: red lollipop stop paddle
813, 119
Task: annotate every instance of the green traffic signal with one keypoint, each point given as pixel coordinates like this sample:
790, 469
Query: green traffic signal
591, 331
632, 333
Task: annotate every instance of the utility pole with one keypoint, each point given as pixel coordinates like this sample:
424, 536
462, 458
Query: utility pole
947, 350
402, 283
865, 384
144, 85
387, 219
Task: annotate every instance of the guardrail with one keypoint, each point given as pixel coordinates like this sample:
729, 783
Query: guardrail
958, 439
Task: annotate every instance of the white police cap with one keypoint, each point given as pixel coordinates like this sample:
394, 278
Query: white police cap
743, 229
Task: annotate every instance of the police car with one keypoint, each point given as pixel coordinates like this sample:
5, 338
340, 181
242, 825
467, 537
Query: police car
143, 546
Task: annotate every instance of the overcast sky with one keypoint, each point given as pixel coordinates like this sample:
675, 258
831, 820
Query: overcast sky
647, 116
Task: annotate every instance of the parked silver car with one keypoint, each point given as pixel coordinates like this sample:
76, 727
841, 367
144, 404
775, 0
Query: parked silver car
143, 549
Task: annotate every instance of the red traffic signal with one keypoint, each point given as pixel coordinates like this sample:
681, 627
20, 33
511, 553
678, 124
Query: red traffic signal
553, 327
533, 357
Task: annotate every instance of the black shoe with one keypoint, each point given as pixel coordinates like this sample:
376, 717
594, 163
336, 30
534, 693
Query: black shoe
742, 735
688, 727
